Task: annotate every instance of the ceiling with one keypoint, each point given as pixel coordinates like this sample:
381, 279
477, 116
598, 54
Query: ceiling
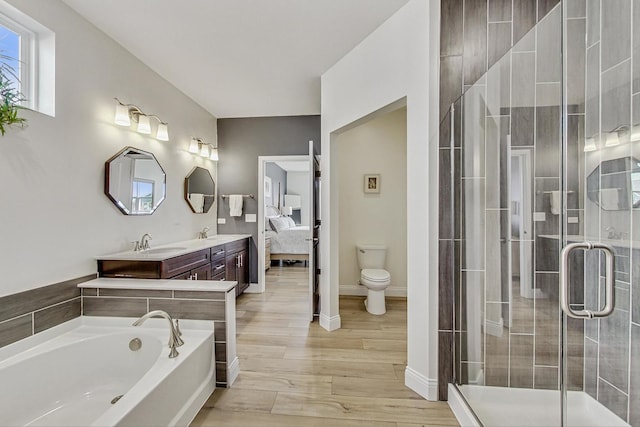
241, 58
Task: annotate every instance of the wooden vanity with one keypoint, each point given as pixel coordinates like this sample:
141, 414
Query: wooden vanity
217, 258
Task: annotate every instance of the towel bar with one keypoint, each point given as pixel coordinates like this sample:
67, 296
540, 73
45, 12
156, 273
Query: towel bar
224, 196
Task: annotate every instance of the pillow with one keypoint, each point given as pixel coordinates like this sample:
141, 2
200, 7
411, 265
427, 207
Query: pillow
291, 222
279, 223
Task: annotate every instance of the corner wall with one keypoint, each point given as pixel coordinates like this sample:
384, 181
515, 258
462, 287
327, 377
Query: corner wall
399, 60
55, 216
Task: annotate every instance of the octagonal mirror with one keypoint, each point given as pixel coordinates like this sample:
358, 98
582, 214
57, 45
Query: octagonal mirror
135, 182
199, 190
614, 184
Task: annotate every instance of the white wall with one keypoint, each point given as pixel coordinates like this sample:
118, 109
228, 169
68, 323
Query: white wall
298, 183
378, 146
400, 59
55, 217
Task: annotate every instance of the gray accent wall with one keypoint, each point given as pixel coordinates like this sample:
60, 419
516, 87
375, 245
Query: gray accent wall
278, 183
240, 142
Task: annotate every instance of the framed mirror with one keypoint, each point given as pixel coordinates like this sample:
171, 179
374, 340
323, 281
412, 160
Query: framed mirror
614, 185
134, 181
199, 190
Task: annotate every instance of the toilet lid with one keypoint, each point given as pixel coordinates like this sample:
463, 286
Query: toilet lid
375, 274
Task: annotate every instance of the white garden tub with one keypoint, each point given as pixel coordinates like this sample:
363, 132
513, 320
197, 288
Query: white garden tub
70, 375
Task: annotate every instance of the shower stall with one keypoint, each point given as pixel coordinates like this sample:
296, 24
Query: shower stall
545, 176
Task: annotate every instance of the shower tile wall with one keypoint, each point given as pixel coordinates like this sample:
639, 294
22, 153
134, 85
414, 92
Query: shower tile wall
475, 34
514, 341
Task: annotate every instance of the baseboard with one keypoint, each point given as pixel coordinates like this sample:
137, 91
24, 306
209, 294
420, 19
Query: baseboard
495, 329
359, 290
254, 288
330, 323
232, 371
460, 409
425, 387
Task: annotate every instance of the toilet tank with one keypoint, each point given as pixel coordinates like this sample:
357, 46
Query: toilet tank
371, 256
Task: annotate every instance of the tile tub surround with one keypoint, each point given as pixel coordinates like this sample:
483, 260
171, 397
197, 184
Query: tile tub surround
182, 299
29, 312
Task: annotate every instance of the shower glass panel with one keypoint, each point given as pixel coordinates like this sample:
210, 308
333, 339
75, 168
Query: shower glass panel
546, 152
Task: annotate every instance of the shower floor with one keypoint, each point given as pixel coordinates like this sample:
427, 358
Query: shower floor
508, 407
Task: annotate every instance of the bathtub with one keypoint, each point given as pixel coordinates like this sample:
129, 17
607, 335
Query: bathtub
83, 373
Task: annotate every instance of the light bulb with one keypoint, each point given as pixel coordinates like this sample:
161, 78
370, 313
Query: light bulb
163, 132
193, 146
143, 124
214, 154
590, 145
122, 115
204, 150
612, 139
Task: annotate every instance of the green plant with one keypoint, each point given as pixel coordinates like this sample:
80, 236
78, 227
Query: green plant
10, 96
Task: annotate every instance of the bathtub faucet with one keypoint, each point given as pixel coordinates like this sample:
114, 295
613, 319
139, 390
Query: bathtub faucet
174, 335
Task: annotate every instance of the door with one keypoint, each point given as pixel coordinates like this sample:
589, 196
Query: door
314, 233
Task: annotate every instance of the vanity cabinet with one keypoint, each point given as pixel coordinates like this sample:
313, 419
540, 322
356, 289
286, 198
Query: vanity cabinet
225, 261
180, 267
237, 264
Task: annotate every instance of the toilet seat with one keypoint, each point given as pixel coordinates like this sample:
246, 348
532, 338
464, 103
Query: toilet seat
375, 275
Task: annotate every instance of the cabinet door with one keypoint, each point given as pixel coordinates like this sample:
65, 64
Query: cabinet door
231, 266
201, 273
243, 271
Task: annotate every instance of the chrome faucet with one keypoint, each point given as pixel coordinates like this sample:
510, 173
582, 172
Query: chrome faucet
144, 242
174, 331
203, 234
613, 235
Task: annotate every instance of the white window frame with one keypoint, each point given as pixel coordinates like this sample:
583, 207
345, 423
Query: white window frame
37, 52
27, 60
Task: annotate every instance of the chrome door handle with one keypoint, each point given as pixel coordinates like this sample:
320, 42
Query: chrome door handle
609, 281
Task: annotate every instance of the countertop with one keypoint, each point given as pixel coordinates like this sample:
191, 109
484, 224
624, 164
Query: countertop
161, 285
170, 250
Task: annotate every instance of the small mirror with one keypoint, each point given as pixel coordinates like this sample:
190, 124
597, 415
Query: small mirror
135, 182
614, 185
199, 190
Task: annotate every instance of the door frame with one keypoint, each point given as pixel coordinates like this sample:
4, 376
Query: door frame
262, 161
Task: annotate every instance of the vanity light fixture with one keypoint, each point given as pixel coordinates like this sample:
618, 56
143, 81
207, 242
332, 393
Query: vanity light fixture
612, 139
199, 147
125, 113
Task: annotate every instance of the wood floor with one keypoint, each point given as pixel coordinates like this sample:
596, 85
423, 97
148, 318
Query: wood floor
293, 373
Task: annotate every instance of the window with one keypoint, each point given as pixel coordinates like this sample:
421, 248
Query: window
28, 48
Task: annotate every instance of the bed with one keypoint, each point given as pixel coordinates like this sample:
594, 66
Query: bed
288, 241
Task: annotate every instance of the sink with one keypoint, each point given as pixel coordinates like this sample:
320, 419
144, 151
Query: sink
163, 250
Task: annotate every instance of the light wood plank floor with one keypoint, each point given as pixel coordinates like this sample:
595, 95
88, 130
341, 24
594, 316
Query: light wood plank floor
293, 373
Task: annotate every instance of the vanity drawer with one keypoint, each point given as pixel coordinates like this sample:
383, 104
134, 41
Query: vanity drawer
236, 246
184, 263
217, 253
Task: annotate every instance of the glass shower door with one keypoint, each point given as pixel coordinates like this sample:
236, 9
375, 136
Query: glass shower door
545, 154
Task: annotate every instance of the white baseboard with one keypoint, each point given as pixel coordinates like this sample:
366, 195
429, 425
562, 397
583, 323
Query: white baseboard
495, 329
254, 288
425, 387
460, 409
360, 290
330, 323
232, 371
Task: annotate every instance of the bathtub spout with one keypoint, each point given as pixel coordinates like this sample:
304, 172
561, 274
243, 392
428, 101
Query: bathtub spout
174, 337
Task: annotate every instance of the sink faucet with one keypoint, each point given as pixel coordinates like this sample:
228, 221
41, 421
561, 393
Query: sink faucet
144, 242
174, 331
612, 233
203, 234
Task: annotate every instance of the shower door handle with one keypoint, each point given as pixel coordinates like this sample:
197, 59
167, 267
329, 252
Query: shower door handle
608, 307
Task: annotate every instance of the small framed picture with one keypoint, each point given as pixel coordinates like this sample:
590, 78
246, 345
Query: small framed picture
372, 183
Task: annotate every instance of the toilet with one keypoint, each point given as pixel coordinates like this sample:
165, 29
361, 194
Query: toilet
373, 276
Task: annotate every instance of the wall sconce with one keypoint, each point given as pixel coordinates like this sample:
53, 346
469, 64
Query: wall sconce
127, 112
198, 146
